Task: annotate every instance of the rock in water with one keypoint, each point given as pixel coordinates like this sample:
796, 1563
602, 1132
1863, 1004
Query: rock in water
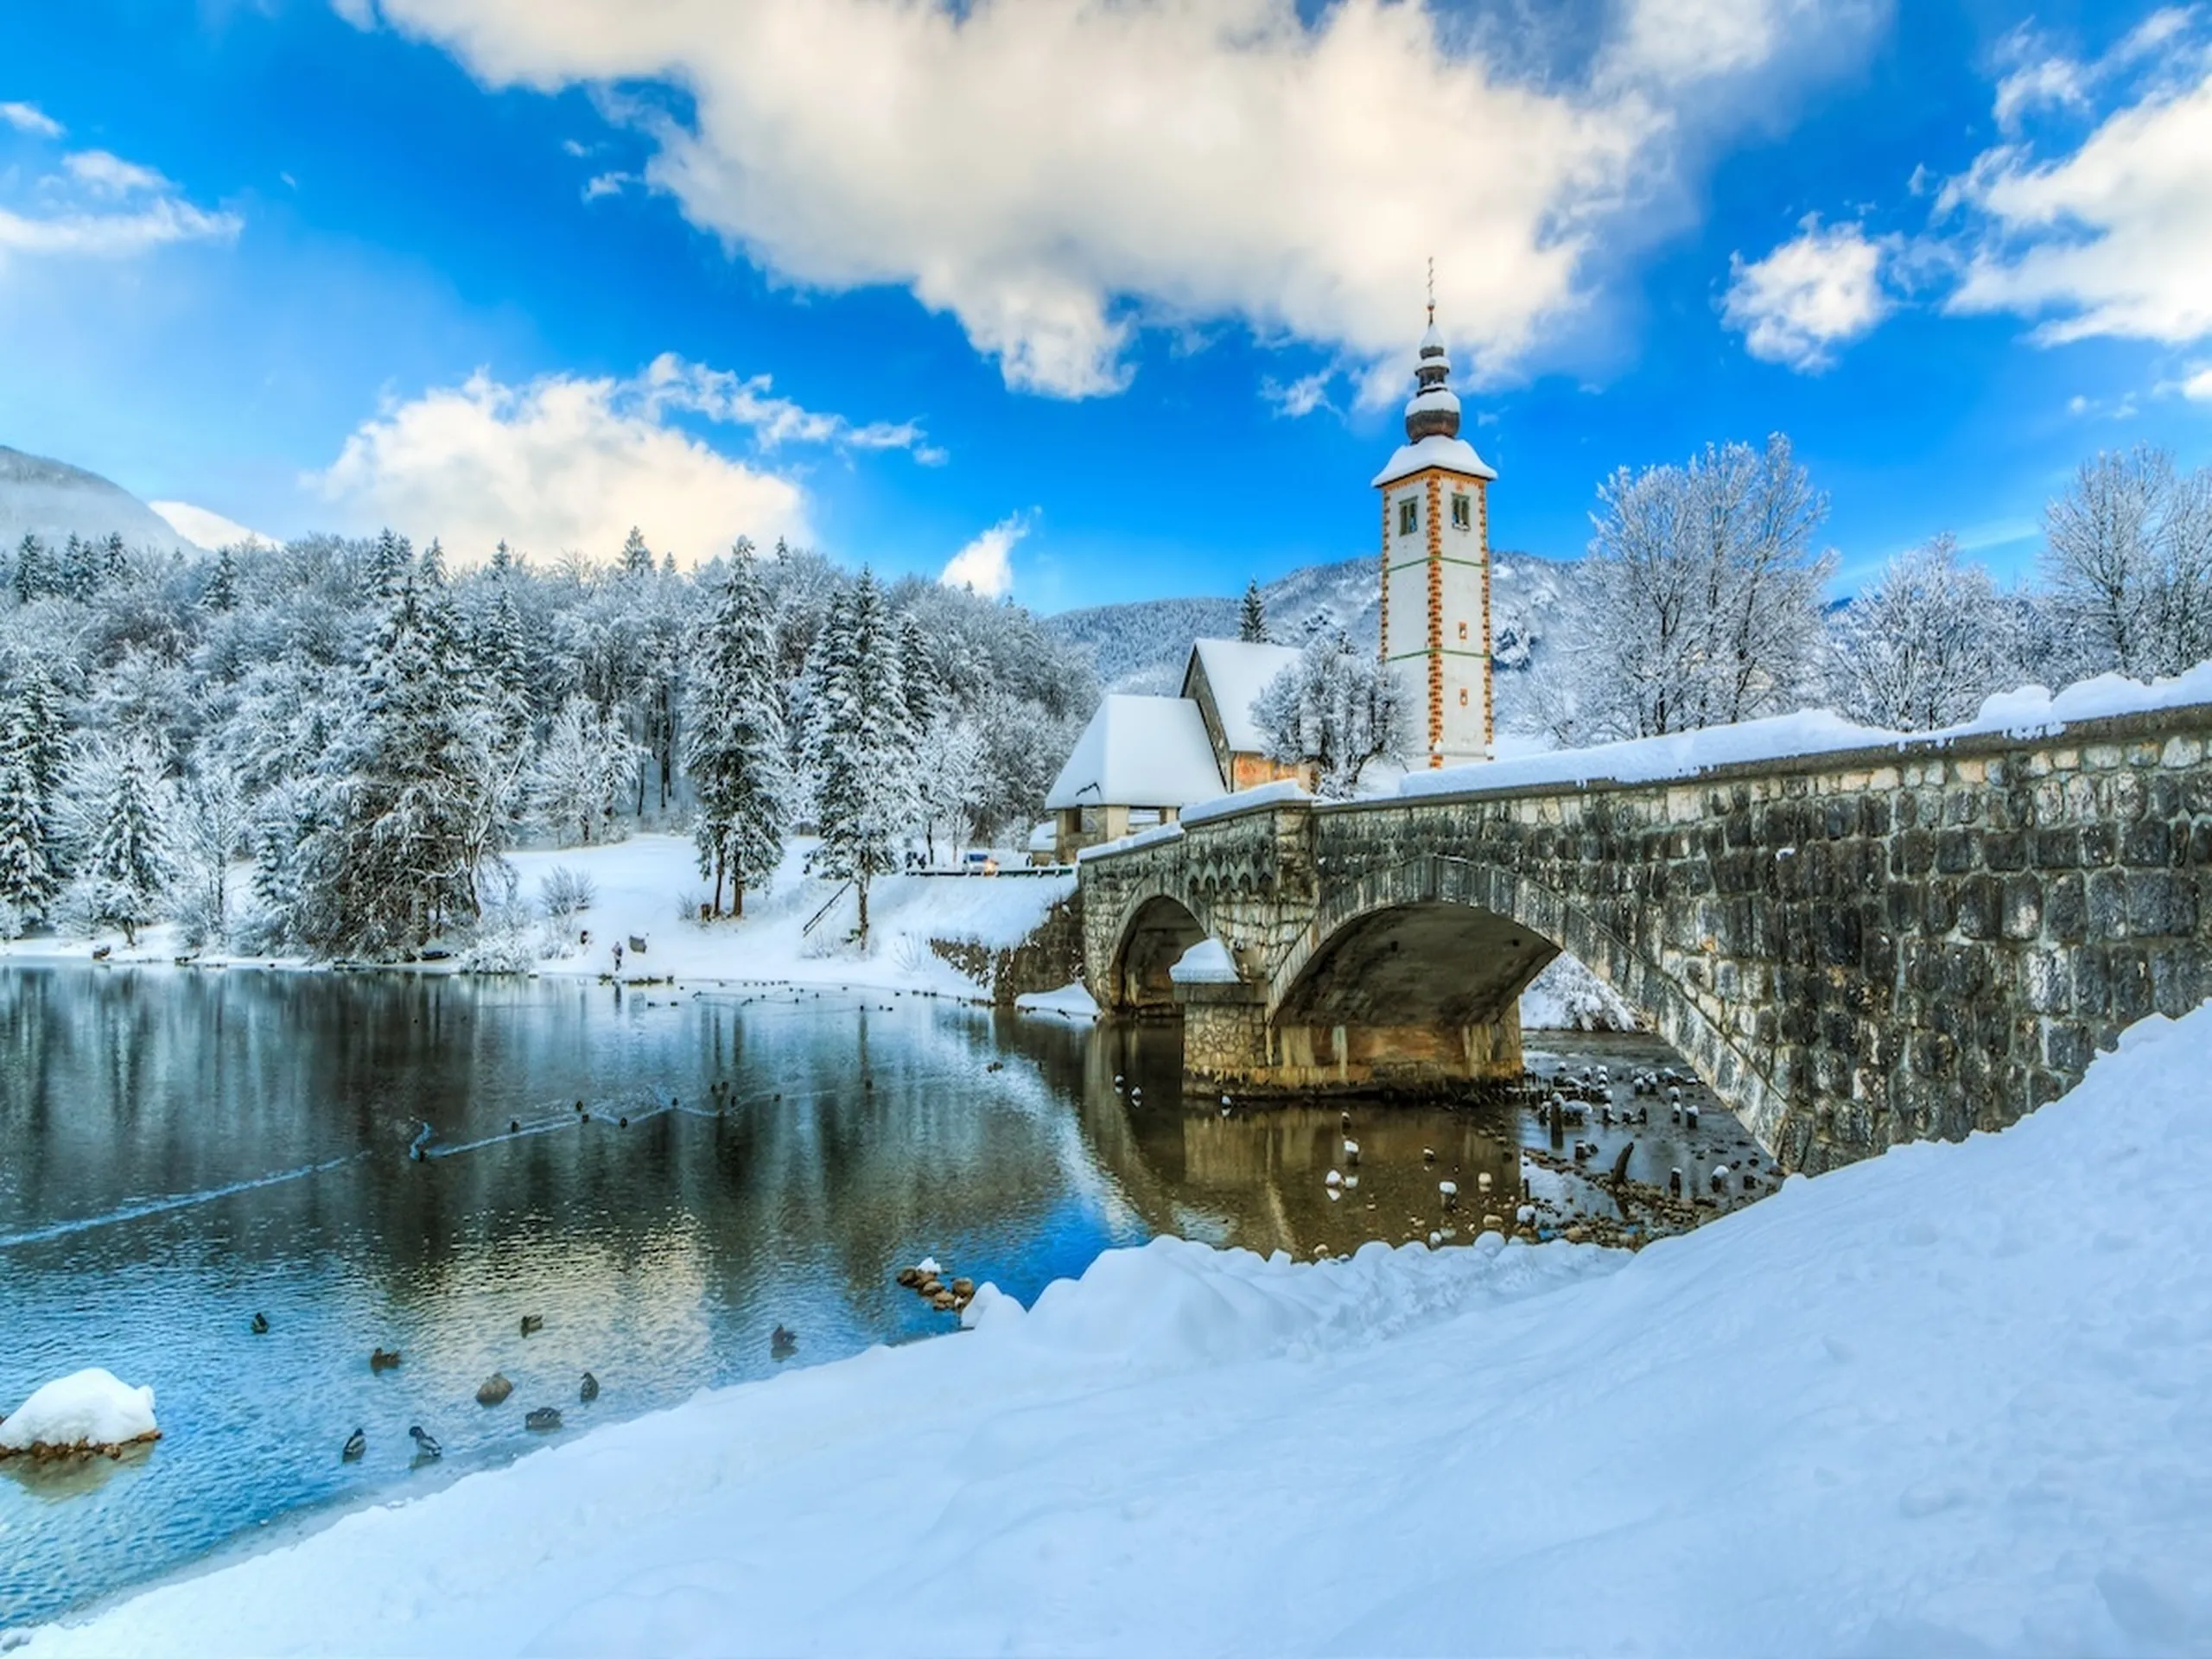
493, 1389
541, 1418
88, 1410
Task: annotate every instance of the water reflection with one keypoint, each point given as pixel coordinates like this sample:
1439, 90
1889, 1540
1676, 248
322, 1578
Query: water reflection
179, 1150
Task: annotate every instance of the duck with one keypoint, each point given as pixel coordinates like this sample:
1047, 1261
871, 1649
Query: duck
541, 1418
532, 1323
357, 1443
383, 1359
261, 1325
426, 1443
782, 1343
589, 1392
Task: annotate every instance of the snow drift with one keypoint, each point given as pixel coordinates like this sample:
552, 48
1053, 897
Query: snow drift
1941, 1401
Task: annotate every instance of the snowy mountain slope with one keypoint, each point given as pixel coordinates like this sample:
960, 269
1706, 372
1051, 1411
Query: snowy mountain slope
53, 500
1143, 646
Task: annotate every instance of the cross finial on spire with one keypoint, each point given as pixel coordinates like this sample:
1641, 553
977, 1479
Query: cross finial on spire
1431, 290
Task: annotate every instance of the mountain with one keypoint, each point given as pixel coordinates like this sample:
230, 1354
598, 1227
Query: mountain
53, 500
1143, 646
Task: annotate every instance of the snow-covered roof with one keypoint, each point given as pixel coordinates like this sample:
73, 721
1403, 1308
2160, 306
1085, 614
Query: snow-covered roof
1453, 454
1139, 752
1236, 670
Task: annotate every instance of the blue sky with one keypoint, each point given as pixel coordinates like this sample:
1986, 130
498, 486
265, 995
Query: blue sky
1120, 301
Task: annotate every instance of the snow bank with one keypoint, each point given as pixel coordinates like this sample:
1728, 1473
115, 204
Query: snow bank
1943, 1401
1070, 1000
1567, 996
88, 1409
1206, 963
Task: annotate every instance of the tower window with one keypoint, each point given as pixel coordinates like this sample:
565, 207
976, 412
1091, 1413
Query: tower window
1409, 516
1463, 512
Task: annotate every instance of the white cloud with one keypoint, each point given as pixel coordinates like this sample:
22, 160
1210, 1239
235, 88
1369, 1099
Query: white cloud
205, 528
986, 565
111, 176
28, 118
1056, 173
113, 235
1817, 292
569, 463
2113, 238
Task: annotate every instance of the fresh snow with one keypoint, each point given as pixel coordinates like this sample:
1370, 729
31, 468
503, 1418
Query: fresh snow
1946, 1400
1236, 671
2029, 711
1139, 752
88, 1408
1206, 963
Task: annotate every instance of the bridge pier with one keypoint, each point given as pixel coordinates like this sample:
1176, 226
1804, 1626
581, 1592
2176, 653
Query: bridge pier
1229, 1042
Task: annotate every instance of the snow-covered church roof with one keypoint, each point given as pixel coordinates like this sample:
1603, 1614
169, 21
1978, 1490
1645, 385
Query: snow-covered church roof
1236, 670
1139, 752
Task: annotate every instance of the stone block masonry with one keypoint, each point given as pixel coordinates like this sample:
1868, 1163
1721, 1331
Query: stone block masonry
1853, 950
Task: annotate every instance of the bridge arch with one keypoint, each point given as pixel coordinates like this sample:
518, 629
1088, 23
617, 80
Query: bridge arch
1155, 929
1449, 942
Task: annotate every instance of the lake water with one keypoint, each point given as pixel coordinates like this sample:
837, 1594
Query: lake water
180, 1150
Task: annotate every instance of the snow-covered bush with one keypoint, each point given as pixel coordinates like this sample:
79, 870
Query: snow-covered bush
565, 892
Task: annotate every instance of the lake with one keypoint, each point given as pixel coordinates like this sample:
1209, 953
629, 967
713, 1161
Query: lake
180, 1150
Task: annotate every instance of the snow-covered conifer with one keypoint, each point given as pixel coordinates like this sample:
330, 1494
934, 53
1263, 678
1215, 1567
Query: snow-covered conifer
735, 741
859, 742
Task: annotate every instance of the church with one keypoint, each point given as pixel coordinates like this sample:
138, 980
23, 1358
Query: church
1143, 759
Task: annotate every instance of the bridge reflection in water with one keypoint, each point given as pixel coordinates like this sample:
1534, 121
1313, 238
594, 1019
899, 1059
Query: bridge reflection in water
1256, 1175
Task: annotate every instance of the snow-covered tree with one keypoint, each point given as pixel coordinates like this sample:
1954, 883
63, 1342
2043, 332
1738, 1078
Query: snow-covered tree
1703, 597
1252, 616
736, 740
859, 742
2129, 556
1335, 710
121, 811
28, 877
411, 809
582, 772
1924, 644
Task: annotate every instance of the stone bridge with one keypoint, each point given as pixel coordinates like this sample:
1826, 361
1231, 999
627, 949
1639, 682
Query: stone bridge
1851, 949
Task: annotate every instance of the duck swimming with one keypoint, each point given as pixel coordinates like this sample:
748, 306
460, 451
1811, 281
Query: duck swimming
426, 1443
356, 1444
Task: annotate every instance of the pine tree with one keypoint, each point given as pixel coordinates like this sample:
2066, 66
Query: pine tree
123, 832
735, 738
26, 873
1252, 617
33, 578
860, 742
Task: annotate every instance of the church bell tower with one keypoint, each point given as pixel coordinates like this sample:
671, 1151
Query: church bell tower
1436, 570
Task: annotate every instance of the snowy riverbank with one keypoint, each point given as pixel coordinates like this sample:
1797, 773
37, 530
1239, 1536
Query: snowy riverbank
1940, 1403
649, 888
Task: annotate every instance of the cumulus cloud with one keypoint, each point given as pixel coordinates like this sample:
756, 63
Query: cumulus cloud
2112, 238
205, 528
1816, 292
28, 118
568, 463
986, 565
1058, 174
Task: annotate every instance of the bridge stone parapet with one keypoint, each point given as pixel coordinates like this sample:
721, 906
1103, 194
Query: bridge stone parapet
1851, 949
